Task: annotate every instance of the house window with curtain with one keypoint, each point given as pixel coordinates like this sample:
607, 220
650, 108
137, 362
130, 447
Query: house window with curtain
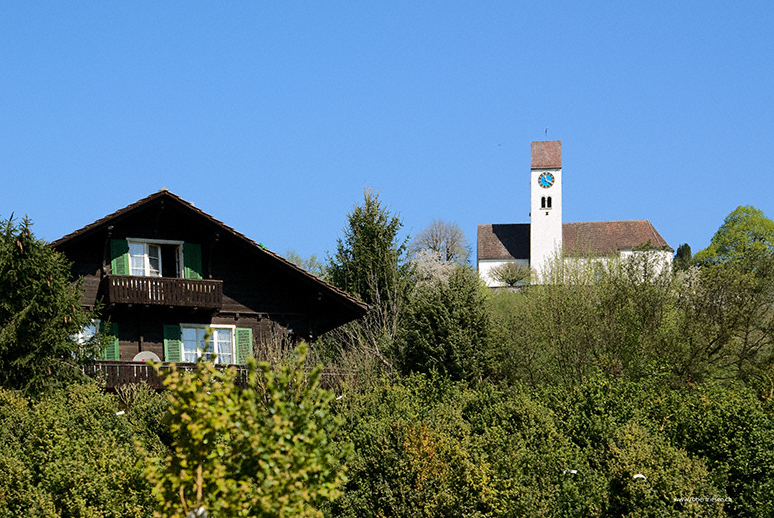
198, 342
155, 258
189, 342
144, 259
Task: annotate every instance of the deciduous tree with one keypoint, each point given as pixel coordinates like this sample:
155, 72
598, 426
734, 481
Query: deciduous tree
510, 274
445, 239
745, 232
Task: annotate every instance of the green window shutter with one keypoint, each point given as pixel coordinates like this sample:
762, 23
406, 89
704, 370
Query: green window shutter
173, 344
244, 344
192, 260
111, 352
119, 257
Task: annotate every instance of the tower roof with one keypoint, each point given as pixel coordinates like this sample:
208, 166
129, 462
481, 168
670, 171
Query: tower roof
547, 154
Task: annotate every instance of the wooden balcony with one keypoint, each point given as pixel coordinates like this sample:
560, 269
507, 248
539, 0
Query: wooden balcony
117, 373
166, 291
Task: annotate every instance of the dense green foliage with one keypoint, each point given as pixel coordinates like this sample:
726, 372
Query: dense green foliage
683, 258
264, 450
40, 314
745, 232
446, 327
427, 446
70, 454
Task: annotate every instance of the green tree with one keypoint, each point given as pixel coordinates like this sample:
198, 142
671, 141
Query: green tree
744, 232
371, 258
40, 314
510, 274
264, 450
683, 258
371, 263
310, 264
446, 327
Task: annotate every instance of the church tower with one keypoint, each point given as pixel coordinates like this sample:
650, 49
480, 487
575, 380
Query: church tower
545, 231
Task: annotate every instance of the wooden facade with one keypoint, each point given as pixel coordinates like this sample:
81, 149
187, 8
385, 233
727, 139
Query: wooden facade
162, 271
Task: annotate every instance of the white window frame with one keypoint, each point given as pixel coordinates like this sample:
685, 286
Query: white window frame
146, 257
199, 351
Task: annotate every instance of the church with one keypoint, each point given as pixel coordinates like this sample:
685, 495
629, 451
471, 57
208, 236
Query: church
533, 245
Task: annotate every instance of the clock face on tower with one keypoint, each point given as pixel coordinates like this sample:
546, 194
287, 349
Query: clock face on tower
546, 180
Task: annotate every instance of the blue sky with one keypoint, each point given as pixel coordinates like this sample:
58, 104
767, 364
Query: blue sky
274, 116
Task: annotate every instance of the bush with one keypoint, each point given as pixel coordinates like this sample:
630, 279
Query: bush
446, 328
69, 454
264, 450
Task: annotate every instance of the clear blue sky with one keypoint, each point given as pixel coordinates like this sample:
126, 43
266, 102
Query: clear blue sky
274, 116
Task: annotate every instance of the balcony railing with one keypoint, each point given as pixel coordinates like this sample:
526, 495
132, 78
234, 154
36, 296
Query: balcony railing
128, 289
114, 374
117, 373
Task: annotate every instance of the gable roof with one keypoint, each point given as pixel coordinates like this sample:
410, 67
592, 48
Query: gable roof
164, 196
597, 238
602, 238
507, 241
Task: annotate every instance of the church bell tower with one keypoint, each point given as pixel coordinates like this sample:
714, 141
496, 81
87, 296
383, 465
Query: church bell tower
545, 231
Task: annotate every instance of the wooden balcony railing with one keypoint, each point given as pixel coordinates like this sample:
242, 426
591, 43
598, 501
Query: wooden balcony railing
118, 373
115, 374
128, 289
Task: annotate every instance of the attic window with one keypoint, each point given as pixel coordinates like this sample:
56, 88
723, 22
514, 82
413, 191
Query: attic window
155, 258
144, 259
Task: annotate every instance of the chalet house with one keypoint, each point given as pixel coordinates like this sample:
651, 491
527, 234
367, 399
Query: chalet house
533, 245
164, 271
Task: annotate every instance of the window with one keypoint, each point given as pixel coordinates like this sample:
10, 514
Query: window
144, 259
188, 342
196, 343
155, 258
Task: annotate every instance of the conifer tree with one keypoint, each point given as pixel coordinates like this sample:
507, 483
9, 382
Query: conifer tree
40, 314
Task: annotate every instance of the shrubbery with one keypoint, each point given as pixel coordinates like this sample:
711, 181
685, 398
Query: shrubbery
71, 454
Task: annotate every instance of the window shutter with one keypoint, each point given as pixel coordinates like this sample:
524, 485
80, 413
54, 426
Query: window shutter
111, 352
244, 344
173, 344
192, 260
119, 257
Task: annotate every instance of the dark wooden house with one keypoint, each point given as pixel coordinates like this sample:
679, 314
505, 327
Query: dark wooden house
164, 271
